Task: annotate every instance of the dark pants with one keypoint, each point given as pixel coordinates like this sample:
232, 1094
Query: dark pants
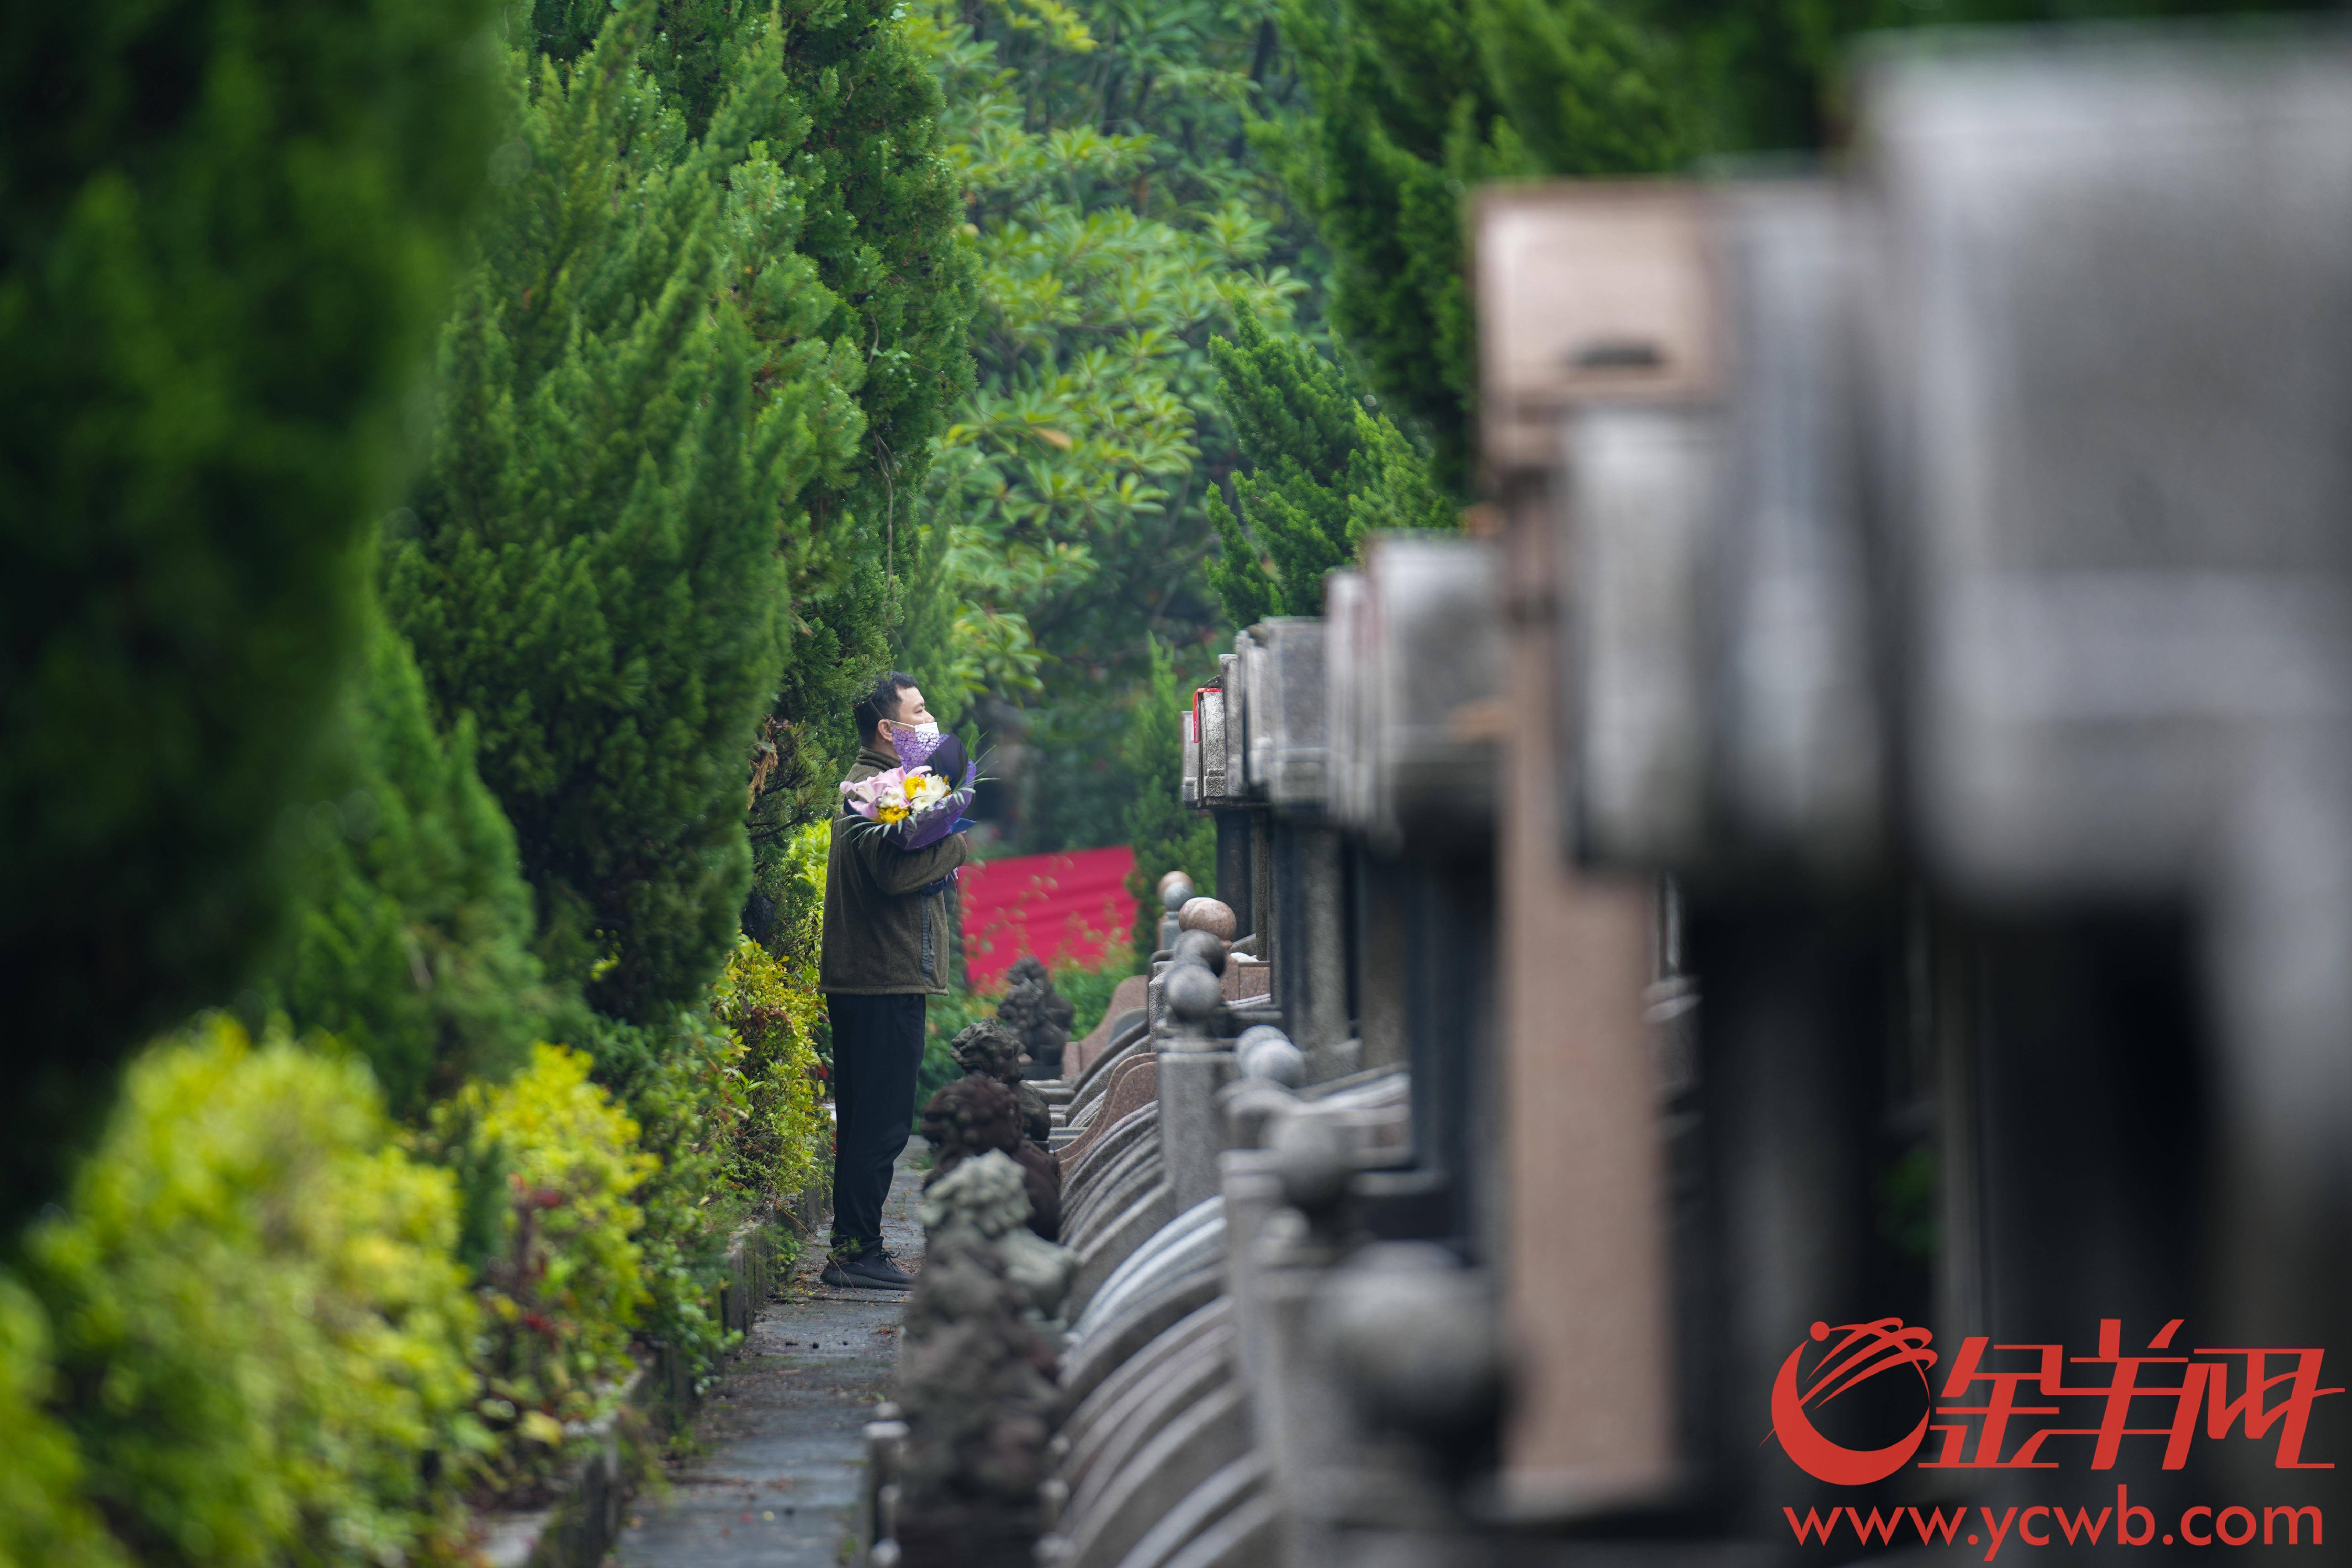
878, 1047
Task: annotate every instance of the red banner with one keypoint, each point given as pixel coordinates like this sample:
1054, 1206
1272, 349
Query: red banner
1071, 907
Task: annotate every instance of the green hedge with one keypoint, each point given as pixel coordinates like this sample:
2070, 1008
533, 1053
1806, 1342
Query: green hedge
267, 1326
565, 1283
410, 941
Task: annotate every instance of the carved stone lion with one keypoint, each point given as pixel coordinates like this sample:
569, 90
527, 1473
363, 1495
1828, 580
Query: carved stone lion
984, 1199
1038, 1016
976, 1116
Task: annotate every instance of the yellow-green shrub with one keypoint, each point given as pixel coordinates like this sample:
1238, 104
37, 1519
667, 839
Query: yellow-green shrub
691, 1104
784, 1139
261, 1333
43, 1521
564, 1286
732, 1104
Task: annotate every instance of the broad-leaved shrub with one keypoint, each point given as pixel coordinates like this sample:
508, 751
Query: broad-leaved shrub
565, 1285
261, 1335
784, 1141
689, 1101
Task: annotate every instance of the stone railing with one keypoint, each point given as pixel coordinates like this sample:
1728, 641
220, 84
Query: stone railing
1859, 833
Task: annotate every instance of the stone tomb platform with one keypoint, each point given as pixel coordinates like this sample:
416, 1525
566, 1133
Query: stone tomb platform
1129, 995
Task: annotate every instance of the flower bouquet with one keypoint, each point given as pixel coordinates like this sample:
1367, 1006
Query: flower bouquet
914, 800
896, 795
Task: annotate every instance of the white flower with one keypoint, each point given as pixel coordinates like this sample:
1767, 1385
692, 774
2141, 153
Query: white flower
924, 789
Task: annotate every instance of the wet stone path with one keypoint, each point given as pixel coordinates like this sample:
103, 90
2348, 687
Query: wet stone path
775, 1475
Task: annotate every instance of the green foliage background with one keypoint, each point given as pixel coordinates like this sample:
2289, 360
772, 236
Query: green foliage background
1411, 103
1166, 836
1118, 216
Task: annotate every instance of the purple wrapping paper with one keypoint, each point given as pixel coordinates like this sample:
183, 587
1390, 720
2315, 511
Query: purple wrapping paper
927, 828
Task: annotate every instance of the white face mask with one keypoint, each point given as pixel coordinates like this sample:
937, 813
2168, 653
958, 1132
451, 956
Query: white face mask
928, 728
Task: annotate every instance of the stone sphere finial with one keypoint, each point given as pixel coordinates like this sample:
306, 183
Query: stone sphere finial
1175, 880
1311, 1159
1199, 947
1192, 993
1266, 1052
1209, 915
1413, 1335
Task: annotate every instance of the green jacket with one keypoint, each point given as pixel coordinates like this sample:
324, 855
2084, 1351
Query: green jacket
884, 936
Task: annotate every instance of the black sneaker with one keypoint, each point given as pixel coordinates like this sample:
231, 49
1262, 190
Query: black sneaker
875, 1273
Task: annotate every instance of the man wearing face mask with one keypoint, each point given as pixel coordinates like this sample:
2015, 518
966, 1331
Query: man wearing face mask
884, 955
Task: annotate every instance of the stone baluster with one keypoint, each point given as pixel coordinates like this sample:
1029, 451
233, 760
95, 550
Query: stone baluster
1193, 1065
884, 1437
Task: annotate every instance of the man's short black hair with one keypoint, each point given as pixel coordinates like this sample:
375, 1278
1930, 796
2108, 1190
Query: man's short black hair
880, 701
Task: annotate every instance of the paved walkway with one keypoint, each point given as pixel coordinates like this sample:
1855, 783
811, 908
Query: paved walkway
776, 1477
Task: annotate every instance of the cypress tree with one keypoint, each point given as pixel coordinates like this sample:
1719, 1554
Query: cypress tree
925, 640
1321, 470
881, 232
593, 571
1579, 90
226, 228
884, 284
411, 938
1164, 836
1414, 102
